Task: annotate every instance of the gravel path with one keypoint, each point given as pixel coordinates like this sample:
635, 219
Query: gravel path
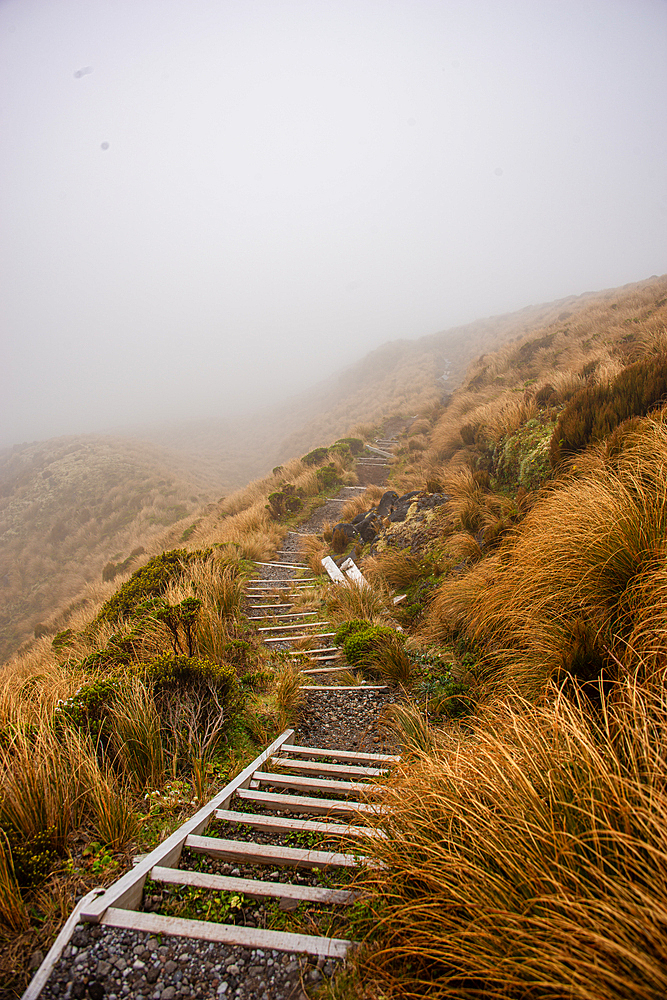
119, 964
115, 963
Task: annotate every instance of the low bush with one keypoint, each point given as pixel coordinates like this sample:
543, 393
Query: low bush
284, 502
149, 581
316, 456
328, 476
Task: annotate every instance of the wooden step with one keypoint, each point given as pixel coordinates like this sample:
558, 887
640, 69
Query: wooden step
314, 784
344, 687
293, 614
287, 604
324, 659
247, 937
254, 888
326, 670
274, 628
293, 638
313, 767
342, 754
310, 652
285, 824
306, 803
281, 565
269, 854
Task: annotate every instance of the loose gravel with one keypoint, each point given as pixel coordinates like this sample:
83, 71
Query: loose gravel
115, 963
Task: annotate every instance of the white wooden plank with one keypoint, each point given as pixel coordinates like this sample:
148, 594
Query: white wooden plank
313, 784
343, 687
258, 607
269, 854
353, 573
342, 754
333, 570
293, 614
282, 564
311, 652
306, 803
274, 628
128, 890
293, 638
248, 937
287, 824
301, 579
326, 670
254, 888
324, 659
316, 767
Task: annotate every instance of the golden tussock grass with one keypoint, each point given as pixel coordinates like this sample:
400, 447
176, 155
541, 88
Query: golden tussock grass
583, 582
313, 549
349, 600
363, 502
525, 857
396, 568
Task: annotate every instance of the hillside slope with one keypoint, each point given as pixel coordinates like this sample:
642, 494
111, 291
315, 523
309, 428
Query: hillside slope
68, 507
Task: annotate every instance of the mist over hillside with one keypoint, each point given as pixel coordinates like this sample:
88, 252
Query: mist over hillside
401, 375
70, 506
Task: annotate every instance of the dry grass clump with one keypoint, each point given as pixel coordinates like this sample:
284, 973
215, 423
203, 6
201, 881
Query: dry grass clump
289, 697
526, 859
392, 662
314, 550
346, 601
138, 736
362, 502
418, 443
421, 426
397, 568
583, 584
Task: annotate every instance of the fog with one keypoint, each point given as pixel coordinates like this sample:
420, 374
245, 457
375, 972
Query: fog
208, 205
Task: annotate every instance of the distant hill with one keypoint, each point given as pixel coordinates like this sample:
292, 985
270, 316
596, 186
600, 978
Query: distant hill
68, 507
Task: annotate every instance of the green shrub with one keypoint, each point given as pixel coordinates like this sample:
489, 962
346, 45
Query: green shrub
180, 619
327, 476
284, 502
239, 653
362, 641
149, 581
356, 445
61, 640
315, 457
88, 709
196, 700
597, 410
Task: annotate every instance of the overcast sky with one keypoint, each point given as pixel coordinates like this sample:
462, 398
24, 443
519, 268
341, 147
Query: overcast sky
208, 204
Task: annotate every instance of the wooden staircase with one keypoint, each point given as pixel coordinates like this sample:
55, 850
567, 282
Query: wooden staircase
336, 785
